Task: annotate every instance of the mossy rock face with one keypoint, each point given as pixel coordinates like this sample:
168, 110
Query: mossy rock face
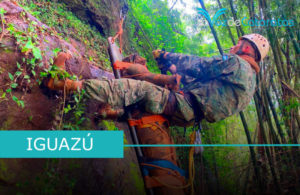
103, 14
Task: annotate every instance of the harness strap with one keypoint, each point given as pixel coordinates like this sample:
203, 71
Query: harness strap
161, 164
181, 92
118, 65
156, 181
147, 120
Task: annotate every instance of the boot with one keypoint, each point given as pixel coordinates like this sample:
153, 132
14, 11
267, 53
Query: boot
61, 59
69, 85
55, 84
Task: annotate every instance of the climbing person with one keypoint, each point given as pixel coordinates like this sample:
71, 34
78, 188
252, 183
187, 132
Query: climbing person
159, 165
214, 87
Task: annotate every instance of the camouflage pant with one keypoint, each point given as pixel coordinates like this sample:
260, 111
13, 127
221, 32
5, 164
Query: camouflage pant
120, 93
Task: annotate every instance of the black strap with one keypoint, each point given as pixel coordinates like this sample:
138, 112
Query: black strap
191, 99
163, 63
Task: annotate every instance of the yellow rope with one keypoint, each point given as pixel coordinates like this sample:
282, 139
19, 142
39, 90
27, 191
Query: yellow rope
191, 162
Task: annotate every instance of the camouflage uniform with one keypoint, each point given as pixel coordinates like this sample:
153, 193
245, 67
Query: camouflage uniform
221, 88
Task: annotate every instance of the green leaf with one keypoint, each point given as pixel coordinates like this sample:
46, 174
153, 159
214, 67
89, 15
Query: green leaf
51, 61
15, 98
18, 73
10, 27
2, 11
56, 50
76, 99
3, 95
43, 74
37, 53
18, 65
14, 85
8, 90
33, 72
67, 109
21, 103
26, 77
29, 45
73, 77
11, 76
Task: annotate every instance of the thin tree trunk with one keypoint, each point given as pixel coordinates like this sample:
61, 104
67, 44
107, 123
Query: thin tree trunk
213, 30
276, 183
279, 129
239, 30
252, 152
228, 28
268, 116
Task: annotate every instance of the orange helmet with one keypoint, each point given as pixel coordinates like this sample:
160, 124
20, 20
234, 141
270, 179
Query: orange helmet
261, 43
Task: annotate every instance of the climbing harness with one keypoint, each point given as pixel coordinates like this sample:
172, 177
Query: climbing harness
119, 65
169, 168
147, 120
167, 173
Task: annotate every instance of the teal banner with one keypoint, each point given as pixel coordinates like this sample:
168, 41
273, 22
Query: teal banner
61, 144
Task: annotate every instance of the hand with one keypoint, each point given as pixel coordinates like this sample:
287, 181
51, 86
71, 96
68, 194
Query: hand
162, 62
157, 53
173, 69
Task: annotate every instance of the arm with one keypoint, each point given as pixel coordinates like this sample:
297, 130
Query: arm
201, 67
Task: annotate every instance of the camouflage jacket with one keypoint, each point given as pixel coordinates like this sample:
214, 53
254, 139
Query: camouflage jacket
221, 87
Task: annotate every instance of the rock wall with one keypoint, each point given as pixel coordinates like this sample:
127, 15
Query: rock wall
40, 108
103, 14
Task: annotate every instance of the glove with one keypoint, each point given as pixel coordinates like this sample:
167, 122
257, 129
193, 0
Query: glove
157, 53
163, 64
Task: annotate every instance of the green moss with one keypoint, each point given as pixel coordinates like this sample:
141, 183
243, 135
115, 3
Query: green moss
5, 173
109, 125
7, 123
139, 184
58, 16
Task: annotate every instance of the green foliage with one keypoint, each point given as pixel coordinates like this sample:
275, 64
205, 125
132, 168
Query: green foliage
74, 112
54, 179
56, 15
28, 42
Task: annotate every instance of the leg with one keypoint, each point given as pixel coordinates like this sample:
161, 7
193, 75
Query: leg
160, 176
120, 93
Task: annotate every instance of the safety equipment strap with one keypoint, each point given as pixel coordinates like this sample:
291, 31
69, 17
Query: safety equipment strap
161, 164
147, 120
169, 169
119, 65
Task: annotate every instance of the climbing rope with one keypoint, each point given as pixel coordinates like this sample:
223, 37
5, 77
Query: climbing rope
123, 13
119, 34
